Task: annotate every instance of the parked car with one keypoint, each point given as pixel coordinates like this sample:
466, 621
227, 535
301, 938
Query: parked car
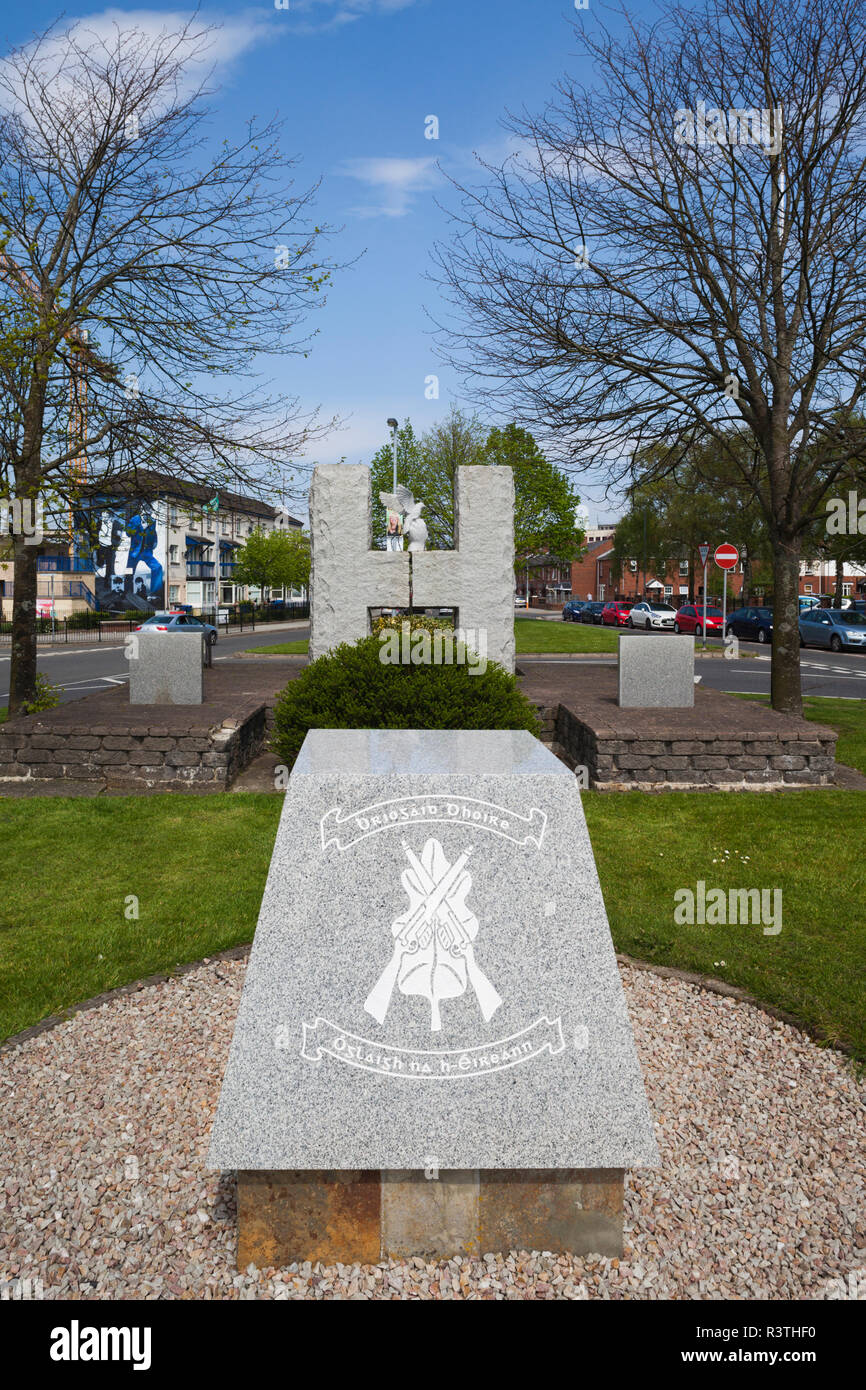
591, 613
753, 624
691, 619
833, 628
179, 622
521, 601
647, 615
571, 610
859, 605
615, 613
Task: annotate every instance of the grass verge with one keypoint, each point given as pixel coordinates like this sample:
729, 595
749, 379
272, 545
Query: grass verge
197, 866
281, 649
647, 847
532, 635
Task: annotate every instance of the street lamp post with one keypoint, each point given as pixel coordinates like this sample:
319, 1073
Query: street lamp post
392, 425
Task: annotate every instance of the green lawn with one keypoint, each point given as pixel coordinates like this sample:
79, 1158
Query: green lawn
848, 716
196, 864
198, 868
536, 635
808, 844
282, 649
532, 635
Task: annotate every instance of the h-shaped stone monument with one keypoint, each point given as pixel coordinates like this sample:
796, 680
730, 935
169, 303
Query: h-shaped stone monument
349, 577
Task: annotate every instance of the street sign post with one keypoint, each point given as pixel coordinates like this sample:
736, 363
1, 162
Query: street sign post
726, 558
704, 552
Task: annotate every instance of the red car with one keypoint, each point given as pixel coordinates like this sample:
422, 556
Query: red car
691, 619
615, 614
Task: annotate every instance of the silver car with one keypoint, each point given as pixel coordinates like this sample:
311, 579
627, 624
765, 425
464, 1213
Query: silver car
834, 628
648, 615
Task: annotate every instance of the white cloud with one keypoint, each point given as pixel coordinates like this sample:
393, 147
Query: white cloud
235, 35
394, 181
345, 11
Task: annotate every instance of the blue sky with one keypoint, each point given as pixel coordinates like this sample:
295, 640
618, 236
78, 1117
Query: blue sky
355, 81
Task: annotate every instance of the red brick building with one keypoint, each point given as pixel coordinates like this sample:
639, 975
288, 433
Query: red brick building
596, 576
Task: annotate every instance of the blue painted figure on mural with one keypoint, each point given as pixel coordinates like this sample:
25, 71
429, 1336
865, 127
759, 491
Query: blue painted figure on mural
141, 529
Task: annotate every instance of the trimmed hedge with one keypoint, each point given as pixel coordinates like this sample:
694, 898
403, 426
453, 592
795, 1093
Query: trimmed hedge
351, 688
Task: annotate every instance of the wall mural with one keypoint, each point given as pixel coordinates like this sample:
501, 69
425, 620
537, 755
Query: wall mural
127, 538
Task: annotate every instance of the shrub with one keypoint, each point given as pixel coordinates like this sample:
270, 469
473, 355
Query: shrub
351, 688
417, 622
47, 697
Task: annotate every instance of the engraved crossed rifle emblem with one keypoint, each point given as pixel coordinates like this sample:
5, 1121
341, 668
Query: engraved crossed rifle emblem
433, 951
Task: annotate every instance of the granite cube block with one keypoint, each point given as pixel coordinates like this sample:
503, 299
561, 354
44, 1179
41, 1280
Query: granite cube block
656, 672
167, 669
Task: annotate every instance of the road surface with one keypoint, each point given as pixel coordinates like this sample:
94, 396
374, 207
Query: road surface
82, 669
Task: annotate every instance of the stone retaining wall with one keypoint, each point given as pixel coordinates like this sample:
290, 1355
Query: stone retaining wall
742, 759
159, 754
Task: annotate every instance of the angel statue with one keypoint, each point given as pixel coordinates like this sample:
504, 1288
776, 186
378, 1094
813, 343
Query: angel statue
404, 519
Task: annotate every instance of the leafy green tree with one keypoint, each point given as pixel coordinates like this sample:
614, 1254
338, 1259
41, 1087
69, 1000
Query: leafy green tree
274, 560
544, 505
702, 500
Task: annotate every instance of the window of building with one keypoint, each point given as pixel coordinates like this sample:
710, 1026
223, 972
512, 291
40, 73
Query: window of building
173, 593
210, 522
807, 588
175, 514
669, 588
846, 590
684, 566
224, 525
172, 554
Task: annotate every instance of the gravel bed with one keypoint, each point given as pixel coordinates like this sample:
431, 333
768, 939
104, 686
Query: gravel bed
105, 1122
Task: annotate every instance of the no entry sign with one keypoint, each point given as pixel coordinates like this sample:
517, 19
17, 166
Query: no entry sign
726, 556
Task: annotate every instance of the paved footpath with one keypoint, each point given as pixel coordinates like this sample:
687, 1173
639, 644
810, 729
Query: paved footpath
84, 669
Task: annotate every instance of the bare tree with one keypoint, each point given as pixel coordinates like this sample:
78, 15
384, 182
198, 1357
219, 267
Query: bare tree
681, 250
143, 266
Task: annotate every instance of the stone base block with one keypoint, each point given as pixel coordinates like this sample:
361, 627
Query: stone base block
327, 1216
363, 1217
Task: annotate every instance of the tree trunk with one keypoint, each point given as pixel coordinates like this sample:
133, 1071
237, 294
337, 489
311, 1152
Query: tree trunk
22, 675
785, 693
840, 574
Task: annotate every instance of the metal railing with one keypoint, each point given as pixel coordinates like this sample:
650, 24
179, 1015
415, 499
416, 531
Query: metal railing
90, 626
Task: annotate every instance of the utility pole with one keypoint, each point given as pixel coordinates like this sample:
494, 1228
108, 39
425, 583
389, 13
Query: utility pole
392, 425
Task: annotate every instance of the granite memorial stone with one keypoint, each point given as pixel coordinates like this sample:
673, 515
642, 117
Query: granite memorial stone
349, 578
165, 668
656, 672
432, 983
